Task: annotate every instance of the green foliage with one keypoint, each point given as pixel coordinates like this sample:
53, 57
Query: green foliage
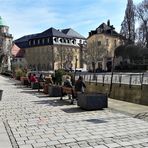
129, 51
20, 73
59, 74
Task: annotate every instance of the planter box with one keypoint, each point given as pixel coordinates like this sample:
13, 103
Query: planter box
45, 88
24, 81
92, 101
54, 91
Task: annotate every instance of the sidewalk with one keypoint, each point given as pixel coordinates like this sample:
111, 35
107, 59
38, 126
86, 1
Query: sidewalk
38, 121
4, 139
132, 109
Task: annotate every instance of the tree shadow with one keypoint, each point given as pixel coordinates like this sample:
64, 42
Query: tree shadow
95, 121
54, 102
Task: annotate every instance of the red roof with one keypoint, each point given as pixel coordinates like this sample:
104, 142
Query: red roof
17, 52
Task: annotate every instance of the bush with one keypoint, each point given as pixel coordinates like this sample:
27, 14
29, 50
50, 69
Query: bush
59, 74
19, 73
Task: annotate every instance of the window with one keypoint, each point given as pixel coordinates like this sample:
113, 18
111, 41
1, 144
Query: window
33, 42
48, 40
99, 43
115, 43
107, 42
43, 41
61, 40
38, 41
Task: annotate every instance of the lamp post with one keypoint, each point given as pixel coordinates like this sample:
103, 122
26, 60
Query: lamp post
76, 60
112, 73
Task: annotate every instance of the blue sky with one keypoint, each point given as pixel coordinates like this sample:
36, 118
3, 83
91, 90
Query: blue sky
34, 16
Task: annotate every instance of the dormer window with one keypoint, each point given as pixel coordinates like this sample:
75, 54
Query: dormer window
73, 41
48, 40
64, 40
43, 41
55, 39
38, 41
29, 43
33, 42
61, 40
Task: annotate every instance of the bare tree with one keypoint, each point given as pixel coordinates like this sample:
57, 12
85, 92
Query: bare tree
94, 53
142, 15
128, 24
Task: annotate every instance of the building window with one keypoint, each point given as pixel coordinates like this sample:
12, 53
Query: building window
29, 43
61, 40
115, 43
99, 43
48, 40
38, 41
33, 42
107, 42
43, 41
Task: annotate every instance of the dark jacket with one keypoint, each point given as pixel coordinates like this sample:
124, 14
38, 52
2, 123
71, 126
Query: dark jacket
79, 85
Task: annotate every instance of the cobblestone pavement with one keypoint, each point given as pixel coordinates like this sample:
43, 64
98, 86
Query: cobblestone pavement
34, 120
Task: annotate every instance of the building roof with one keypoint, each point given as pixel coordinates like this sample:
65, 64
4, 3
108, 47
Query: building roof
51, 32
25, 38
72, 33
23, 41
17, 52
105, 29
2, 22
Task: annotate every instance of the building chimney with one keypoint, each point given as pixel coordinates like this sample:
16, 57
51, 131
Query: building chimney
108, 23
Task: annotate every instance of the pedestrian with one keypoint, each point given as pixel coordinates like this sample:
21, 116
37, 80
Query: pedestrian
80, 85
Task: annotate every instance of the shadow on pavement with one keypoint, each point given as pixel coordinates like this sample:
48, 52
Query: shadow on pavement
53, 102
96, 121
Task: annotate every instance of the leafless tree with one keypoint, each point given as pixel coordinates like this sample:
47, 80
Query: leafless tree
128, 24
142, 15
94, 53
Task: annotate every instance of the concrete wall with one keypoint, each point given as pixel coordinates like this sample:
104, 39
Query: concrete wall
124, 92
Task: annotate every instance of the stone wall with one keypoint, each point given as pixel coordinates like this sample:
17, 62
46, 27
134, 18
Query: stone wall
128, 93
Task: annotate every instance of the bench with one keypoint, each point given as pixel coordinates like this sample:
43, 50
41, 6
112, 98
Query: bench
68, 91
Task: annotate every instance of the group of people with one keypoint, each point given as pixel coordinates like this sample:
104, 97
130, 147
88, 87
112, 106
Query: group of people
79, 84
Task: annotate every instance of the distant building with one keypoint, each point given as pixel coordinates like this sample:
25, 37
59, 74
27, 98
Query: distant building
107, 38
18, 59
53, 49
5, 46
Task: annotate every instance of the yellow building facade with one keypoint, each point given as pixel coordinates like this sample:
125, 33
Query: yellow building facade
53, 49
107, 40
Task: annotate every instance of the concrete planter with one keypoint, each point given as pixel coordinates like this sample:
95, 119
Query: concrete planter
92, 101
54, 91
24, 81
1, 92
45, 88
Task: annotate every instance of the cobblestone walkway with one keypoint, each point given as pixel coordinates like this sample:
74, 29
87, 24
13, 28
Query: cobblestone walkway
34, 120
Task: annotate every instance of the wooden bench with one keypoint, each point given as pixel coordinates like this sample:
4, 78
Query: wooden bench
68, 91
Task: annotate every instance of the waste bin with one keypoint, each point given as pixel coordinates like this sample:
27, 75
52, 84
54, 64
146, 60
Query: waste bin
1, 92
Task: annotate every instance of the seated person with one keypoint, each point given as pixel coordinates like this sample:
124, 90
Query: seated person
41, 78
67, 82
33, 78
80, 85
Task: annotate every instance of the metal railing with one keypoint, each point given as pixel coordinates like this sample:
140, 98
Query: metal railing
105, 78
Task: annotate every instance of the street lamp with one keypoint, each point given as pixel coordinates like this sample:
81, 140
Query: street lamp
76, 60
